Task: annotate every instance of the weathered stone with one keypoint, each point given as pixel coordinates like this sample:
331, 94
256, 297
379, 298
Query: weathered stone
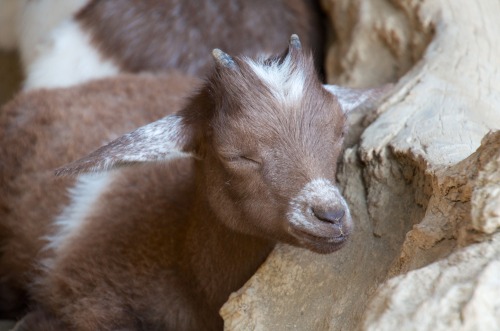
457, 293
486, 196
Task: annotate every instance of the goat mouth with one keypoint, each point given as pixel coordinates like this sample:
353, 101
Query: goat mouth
319, 243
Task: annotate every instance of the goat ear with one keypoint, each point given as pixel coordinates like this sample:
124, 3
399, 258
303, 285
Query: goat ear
351, 99
165, 139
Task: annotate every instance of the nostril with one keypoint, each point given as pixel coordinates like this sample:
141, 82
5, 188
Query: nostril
329, 215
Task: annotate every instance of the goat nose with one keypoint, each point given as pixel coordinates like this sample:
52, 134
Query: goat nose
333, 216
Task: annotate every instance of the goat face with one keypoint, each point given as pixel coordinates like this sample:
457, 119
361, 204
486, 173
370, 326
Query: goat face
271, 149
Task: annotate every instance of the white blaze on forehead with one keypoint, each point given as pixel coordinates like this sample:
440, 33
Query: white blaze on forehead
318, 192
285, 80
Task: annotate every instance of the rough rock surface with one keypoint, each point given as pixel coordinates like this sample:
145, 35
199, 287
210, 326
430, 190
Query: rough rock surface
456, 293
424, 190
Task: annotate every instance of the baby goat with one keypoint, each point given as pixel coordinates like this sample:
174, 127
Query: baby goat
250, 160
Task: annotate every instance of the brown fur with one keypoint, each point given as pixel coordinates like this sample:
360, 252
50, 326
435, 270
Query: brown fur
44, 126
162, 34
165, 244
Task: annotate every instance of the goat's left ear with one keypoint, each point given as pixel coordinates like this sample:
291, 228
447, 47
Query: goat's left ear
163, 140
350, 99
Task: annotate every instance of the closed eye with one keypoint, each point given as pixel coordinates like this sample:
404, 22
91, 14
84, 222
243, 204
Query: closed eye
249, 159
243, 159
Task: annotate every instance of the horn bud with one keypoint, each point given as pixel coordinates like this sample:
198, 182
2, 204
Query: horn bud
223, 59
295, 42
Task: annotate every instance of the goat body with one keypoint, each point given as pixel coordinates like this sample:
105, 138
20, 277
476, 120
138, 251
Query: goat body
63, 43
43, 129
179, 34
247, 161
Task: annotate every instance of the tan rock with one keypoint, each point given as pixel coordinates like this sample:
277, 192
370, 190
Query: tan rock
486, 196
457, 293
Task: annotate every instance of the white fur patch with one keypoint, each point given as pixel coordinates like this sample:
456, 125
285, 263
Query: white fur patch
67, 58
37, 20
317, 192
285, 82
162, 140
159, 140
9, 15
84, 196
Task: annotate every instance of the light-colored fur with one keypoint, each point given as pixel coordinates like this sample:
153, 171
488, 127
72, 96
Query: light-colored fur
37, 20
83, 196
67, 58
285, 81
317, 192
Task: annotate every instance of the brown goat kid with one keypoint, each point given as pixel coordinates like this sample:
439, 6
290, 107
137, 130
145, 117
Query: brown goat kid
160, 245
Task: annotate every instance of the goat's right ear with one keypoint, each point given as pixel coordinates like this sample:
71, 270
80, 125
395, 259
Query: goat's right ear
165, 139
350, 98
